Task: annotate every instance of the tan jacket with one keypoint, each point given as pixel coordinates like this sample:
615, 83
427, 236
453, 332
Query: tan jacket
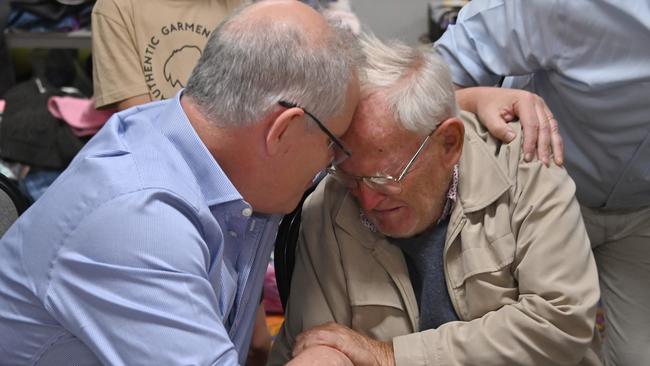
518, 265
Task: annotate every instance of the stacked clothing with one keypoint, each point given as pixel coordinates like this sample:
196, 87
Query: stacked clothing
30, 134
44, 127
50, 16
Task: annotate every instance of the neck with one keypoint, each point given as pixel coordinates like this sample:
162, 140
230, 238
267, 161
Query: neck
236, 149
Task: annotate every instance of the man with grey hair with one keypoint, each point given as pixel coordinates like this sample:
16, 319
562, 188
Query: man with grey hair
150, 249
436, 244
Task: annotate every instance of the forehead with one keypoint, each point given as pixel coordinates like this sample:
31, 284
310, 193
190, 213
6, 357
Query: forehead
341, 123
376, 138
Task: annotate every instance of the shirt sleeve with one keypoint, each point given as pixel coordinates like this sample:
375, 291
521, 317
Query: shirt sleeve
492, 39
117, 71
134, 288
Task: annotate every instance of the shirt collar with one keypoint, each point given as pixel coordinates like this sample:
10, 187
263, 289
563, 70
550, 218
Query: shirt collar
452, 195
213, 182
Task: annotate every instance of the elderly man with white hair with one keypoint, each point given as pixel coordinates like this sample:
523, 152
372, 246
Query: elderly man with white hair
435, 243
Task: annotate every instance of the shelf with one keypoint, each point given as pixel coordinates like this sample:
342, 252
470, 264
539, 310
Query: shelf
77, 39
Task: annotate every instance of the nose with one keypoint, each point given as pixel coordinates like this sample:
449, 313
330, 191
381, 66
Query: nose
368, 198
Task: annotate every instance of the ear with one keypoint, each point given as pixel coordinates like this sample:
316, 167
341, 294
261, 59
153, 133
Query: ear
278, 130
451, 133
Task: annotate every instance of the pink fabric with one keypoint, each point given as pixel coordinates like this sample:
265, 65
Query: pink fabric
79, 113
272, 303
2, 105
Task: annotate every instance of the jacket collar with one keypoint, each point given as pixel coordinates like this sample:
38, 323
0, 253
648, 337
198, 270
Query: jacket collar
482, 180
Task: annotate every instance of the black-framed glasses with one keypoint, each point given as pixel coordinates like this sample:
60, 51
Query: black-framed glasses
385, 184
335, 143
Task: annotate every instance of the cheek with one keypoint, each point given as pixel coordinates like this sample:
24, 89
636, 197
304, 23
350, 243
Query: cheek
314, 157
422, 203
425, 204
419, 214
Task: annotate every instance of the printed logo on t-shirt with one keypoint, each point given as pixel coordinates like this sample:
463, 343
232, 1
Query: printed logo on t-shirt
178, 63
178, 60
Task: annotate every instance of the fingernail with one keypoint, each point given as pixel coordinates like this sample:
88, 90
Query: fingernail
528, 157
510, 135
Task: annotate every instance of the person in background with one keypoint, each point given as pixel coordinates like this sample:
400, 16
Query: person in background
589, 61
435, 243
151, 247
145, 50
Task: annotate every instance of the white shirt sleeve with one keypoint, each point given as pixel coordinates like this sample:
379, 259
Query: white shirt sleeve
494, 38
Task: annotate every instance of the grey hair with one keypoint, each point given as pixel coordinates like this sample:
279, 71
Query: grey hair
417, 82
247, 67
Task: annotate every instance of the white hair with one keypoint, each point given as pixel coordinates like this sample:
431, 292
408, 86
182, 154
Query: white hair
247, 67
417, 82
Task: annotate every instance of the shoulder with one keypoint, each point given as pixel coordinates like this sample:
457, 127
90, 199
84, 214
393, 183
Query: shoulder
329, 208
321, 216
482, 151
478, 137
231, 4
326, 198
510, 9
112, 8
143, 135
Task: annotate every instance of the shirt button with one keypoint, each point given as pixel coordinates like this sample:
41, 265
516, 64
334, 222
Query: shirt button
232, 233
247, 212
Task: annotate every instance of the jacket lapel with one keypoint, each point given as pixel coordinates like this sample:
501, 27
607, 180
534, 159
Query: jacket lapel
387, 255
475, 190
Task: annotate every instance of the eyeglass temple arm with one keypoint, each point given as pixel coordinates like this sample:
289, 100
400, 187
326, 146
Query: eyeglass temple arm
408, 165
320, 126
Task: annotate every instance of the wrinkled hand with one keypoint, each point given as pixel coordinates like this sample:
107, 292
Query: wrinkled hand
361, 350
321, 355
495, 107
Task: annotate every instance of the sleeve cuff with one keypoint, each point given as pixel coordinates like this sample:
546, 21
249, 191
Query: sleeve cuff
410, 350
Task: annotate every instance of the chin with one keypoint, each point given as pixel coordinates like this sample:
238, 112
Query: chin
398, 234
292, 205
397, 229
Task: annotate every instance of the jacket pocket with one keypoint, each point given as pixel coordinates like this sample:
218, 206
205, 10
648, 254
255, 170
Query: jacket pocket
492, 257
486, 281
379, 291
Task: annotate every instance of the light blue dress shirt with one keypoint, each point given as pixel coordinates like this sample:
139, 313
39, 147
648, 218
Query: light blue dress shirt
590, 61
141, 253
